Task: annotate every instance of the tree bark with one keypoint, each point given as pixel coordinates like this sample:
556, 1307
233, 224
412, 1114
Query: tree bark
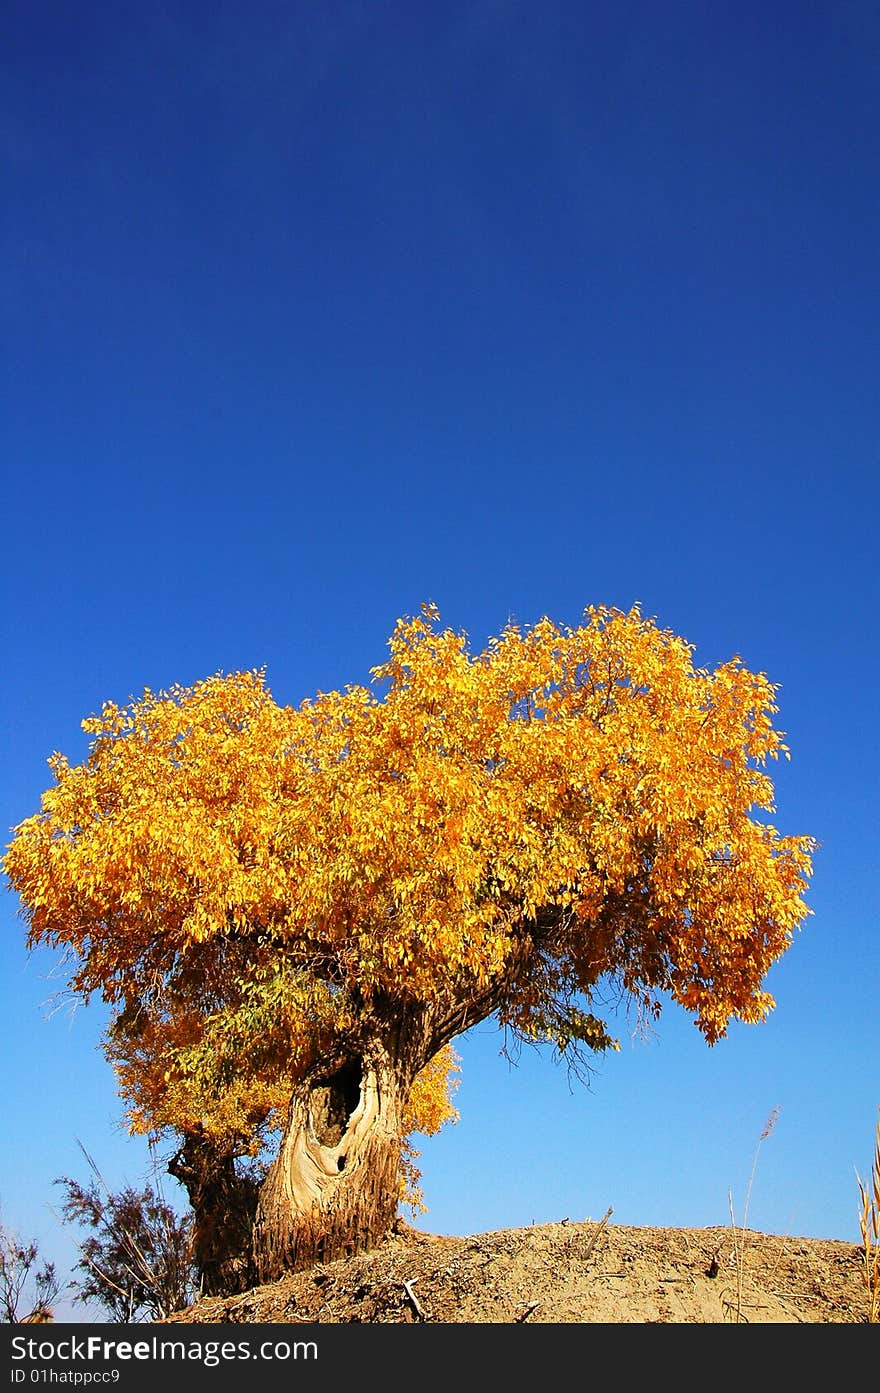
223, 1204
336, 1183
335, 1186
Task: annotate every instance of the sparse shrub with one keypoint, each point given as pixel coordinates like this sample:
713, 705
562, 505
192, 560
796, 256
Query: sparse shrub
137, 1262
27, 1290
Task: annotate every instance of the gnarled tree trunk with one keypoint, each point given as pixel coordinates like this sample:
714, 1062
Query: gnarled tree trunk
334, 1187
223, 1204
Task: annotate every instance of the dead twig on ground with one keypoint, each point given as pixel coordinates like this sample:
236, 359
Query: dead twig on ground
408, 1288
595, 1237
527, 1311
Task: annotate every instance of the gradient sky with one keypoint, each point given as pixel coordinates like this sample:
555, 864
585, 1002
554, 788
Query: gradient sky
312, 313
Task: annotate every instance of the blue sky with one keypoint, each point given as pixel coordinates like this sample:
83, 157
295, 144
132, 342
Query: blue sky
314, 313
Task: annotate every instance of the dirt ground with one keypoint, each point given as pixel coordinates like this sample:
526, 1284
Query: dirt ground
564, 1273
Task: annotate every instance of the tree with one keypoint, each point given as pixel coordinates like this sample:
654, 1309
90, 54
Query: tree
138, 1260
24, 1280
293, 910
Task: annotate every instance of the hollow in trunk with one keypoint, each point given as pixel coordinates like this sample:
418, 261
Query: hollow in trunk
334, 1187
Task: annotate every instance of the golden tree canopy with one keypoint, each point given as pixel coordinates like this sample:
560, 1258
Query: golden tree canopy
495, 832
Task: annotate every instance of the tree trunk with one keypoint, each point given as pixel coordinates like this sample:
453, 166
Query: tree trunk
334, 1187
223, 1204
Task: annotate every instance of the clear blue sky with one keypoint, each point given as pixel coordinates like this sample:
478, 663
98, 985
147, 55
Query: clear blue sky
315, 312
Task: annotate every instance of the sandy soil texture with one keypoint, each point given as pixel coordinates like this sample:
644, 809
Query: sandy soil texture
566, 1272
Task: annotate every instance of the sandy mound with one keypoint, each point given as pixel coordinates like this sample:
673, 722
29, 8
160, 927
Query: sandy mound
591, 1272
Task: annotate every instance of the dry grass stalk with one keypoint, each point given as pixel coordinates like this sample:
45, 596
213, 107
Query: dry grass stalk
869, 1223
739, 1233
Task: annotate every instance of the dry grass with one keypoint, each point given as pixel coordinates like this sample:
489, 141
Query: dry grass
739, 1231
869, 1223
